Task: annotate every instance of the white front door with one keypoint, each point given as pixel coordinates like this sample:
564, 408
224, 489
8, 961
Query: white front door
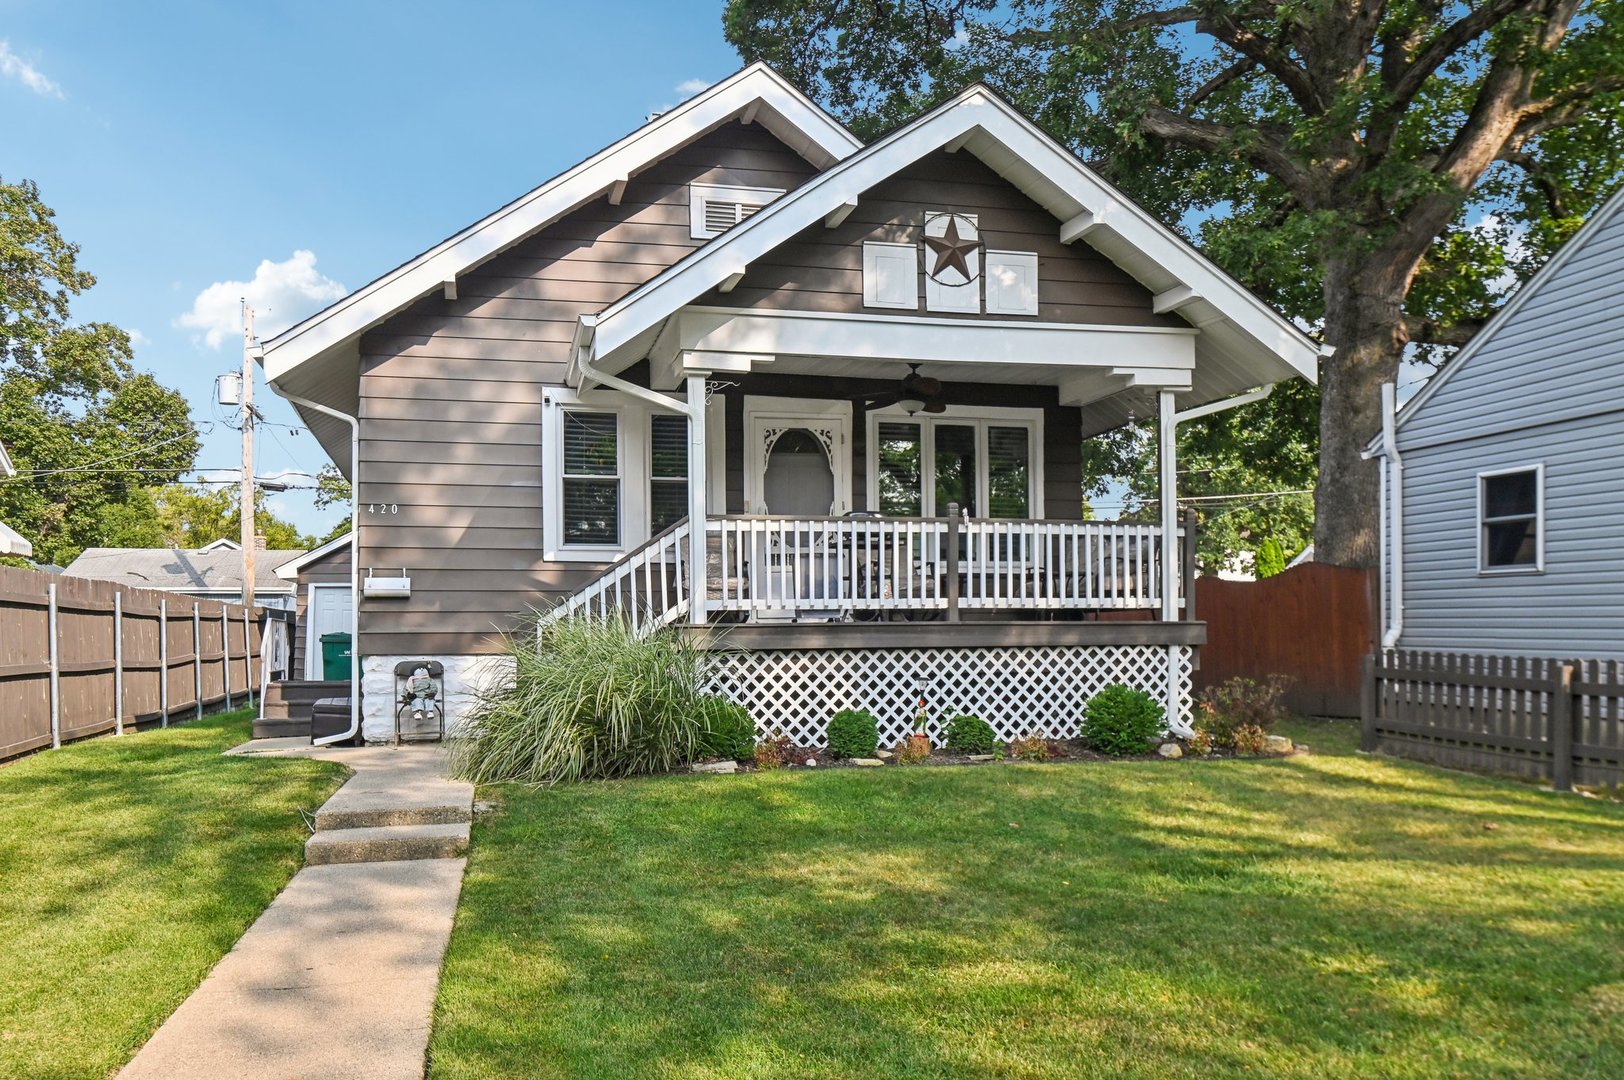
327, 612
797, 459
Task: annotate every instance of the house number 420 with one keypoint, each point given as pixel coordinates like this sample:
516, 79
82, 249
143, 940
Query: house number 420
383, 508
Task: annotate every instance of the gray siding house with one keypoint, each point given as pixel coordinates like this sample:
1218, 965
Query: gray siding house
821, 402
1504, 478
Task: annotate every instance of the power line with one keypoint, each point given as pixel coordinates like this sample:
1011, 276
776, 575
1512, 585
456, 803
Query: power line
95, 466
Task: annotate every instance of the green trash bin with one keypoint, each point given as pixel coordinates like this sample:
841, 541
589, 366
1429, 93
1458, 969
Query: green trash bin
335, 656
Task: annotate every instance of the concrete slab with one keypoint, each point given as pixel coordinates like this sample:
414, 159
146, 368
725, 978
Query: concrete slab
335, 980
390, 843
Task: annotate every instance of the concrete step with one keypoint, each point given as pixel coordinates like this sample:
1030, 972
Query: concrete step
375, 817
388, 843
280, 727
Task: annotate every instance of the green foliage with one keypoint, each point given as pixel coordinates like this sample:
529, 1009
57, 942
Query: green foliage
728, 731
1030, 748
1235, 708
772, 753
86, 431
189, 516
1122, 720
1270, 559
853, 734
1248, 739
332, 490
970, 735
593, 700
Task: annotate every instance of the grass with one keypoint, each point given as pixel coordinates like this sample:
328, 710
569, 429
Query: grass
128, 866
1318, 916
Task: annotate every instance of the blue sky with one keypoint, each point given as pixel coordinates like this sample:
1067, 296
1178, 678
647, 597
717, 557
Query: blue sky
302, 149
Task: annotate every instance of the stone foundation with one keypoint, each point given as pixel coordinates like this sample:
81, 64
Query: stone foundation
464, 677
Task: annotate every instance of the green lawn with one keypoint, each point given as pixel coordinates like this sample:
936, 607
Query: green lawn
1319, 916
128, 867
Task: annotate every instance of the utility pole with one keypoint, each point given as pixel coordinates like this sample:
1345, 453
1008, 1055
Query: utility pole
247, 496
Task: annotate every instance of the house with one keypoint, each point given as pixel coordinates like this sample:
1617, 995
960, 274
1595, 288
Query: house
211, 572
1503, 503
740, 371
12, 542
322, 599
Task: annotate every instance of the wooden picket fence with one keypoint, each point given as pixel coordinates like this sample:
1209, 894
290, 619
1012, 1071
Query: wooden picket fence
1531, 716
81, 657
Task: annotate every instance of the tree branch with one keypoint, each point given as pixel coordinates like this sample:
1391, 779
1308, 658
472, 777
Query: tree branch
1431, 332
1219, 81
1267, 55
1414, 74
1266, 153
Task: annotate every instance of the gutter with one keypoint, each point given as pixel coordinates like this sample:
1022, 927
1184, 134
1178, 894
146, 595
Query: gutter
1392, 563
355, 564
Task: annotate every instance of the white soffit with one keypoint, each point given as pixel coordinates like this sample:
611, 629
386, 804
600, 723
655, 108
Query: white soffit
757, 90
983, 124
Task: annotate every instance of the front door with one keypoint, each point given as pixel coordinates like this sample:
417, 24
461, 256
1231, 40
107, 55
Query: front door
328, 611
798, 457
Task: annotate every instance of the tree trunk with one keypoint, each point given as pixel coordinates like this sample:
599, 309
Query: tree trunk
1364, 320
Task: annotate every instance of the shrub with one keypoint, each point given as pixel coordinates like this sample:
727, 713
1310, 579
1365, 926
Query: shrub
1122, 720
728, 730
1242, 702
1199, 743
1030, 748
588, 698
772, 753
853, 733
913, 750
970, 735
1249, 739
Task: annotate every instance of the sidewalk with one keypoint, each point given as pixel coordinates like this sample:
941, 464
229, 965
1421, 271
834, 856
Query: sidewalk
337, 978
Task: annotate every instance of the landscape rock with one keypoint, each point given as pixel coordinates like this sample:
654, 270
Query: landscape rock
884, 755
811, 762
982, 757
1277, 744
867, 762
716, 766
1170, 750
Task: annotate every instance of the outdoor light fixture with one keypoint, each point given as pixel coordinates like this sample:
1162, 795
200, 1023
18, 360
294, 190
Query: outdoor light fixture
911, 405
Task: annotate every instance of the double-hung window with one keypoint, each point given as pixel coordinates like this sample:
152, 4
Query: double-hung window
668, 470
1511, 526
591, 479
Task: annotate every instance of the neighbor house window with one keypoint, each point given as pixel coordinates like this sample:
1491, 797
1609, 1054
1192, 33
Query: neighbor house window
668, 470
714, 209
591, 478
1510, 529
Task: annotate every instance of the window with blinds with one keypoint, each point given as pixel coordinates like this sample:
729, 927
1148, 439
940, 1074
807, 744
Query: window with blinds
714, 209
668, 471
591, 478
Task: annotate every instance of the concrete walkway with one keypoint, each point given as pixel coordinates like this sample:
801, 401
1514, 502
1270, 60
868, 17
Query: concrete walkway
337, 978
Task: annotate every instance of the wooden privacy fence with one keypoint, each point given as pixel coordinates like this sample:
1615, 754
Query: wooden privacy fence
81, 657
1311, 623
1530, 716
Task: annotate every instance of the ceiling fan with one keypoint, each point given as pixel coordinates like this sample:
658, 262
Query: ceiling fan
916, 393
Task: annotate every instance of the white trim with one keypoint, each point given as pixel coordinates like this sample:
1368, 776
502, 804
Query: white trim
1051, 173
716, 451
964, 298
881, 258
312, 652
1538, 469
289, 570
700, 194
797, 412
1508, 312
6, 467
631, 433
785, 111
977, 416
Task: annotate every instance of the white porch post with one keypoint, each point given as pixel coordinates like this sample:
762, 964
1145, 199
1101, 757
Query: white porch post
698, 471
1171, 578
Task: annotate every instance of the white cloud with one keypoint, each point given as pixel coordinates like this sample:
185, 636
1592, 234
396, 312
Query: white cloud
282, 293
690, 87
13, 66
137, 338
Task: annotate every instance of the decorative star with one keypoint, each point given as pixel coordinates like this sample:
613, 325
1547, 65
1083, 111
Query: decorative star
951, 252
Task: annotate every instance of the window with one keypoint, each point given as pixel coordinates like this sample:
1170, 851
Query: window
591, 478
668, 470
1511, 535
713, 209
983, 462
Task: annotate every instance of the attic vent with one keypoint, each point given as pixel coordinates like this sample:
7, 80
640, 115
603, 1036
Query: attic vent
714, 209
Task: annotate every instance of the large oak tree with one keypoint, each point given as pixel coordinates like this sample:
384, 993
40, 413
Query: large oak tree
1379, 170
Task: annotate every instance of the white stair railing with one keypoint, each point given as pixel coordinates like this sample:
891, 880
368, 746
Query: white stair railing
647, 587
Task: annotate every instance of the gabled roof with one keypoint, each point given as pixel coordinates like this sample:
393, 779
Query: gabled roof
1506, 314
1247, 342
757, 94
210, 569
289, 571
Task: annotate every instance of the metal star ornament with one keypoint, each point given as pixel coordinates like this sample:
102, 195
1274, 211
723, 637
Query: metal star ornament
952, 252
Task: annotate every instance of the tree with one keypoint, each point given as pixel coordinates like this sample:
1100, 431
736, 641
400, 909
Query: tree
190, 516
1361, 164
86, 432
333, 490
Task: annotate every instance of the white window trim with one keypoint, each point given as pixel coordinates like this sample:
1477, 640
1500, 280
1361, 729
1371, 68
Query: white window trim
700, 194
871, 275
981, 418
796, 412
1484, 570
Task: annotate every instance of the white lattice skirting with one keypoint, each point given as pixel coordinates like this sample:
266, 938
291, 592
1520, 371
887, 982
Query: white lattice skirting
1019, 690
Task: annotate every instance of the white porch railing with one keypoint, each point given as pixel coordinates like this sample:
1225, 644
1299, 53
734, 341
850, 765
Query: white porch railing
767, 568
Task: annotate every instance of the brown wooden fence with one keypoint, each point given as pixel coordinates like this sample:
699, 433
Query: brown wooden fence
81, 657
1559, 719
1312, 623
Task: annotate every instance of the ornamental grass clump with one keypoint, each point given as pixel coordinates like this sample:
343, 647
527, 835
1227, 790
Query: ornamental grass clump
588, 699
1121, 720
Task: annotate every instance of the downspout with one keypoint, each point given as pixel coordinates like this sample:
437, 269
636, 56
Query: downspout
355, 565
1395, 463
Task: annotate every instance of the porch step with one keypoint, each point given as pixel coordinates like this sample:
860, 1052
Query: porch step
352, 818
287, 706
273, 727
387, 843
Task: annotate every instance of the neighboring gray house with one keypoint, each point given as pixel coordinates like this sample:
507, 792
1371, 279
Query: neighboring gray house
1504, 519
12, 542
212, 572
